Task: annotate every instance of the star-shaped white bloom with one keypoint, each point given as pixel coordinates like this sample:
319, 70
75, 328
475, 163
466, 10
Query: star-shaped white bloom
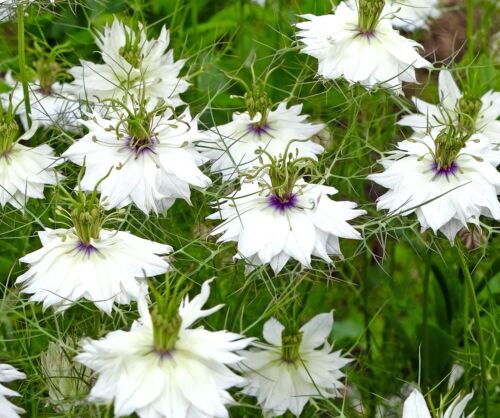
269, 229
448, 111
25, 171
282, 384
110, 269
150, 173
133, 65
7, 408
378, 57
410, 15
54, 107
232, 146
416, 407
445, 199
191, 380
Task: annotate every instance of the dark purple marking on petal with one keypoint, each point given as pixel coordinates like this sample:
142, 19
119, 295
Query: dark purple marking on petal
257, 129
282, 204
444, 171
87, 249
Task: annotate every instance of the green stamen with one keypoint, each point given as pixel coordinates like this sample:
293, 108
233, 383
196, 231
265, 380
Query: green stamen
47, 72
449, 143
166, 327
468, 109
87, 221
257, 101
369, 15
166, 319
131, 51
9, 132
290, 348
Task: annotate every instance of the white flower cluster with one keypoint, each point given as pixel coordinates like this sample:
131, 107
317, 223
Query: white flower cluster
143, 149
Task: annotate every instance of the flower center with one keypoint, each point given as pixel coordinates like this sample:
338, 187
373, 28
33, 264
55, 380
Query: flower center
257, 101
86, 249
258, 129
166, 327
449, 144
87, 222
9, 131
369, 12
282, 203
290, 346
445, 171
141, 145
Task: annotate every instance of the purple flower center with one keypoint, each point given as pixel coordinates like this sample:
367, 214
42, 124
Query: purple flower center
141, 146
258, 129
282, 203
444, 171
86, 249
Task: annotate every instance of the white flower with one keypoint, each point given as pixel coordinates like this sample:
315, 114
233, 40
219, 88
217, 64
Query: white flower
132, 65
53, 107
25, 171
415, 407
375, 55
411, 15
109, 269
232, 146
454, 108
269, 229
150, 172
260, 2
446, 198
190, 380
8, 374
285, 374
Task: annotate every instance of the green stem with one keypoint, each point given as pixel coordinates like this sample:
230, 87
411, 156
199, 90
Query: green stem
22, 61
470, 31
475, 311
194, 15
425, 325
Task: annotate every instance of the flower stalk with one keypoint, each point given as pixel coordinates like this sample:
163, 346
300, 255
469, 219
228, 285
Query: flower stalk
480, 339
22, 60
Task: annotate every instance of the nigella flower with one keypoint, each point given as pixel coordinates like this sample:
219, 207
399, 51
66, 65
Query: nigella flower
457, 109
152, 154
357, 42
449, 179
416, 407
279, 217
133, 65
232, 147
9, 374
89, 262
410, 15
293, 367
24, 171
163, 367
51, 105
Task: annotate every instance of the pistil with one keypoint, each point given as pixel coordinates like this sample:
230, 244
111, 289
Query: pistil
369, 13
290, 346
